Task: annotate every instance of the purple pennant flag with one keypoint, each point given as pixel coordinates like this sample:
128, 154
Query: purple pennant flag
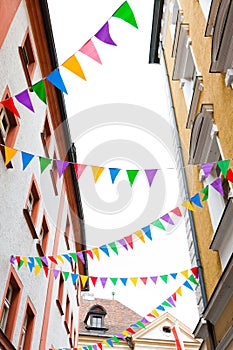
144, 320
56, 273
154, 279
44, 260
217, 185
104, 35
119, 335
207, 168
94, 347
61, 166
171, 301
123, 243
81, 257
103, 281
150, 173
167, 218
24, 99
12, 260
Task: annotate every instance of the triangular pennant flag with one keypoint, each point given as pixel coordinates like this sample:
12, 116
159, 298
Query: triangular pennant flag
9, 154
113, 173
39, 89
207, 168
144, 320
129, 240
134, 280
144, 279
147, 231
12, 259
61, 166
37, 269
114, 280
104, 35
158, 224
193, 279
164, 278
179, 291
96, 252
185, 273
83, 280
26, 158
81, 257
229, 176
124, 280
44, 260
73, 65
166, 303
195, 271
39, 261
52, 259
20, 264
188, 285
217, 185
90, 253
161, 308
150, 174
66, 275
140, 235
100, 346
167, 218
56, 273
74, 256
132, 175
9, 104
79, 168
134, 325
97, 171
174, 275
109, 342
113, 247
116, 340
177, 211
24, 98
155, 313
130, 330
187, 204
89, 49
93, 280
125, 12
123, 243
46, 271
67, 257
74, 277
196, 200
55, 78
154, 279
174, 296
171, 301
103, 281
44, 162
224, 165
205, 190
104, 249
141, 324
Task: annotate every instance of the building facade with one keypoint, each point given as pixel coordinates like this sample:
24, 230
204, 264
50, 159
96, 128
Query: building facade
41, 213
193, 41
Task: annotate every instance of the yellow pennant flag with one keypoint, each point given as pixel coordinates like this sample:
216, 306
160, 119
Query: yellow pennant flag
187, 204
83, 280
97, 171
96, 252
9, 154
37, 269
185, 273
140, 235
59, 257
125, 333
106, 343
155, 313
25, 260
179, 291
73, 65
134, 280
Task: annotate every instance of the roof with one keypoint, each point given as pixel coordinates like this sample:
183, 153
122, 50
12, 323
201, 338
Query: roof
118, 317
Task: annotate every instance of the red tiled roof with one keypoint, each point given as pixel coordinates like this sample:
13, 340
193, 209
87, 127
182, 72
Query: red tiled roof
118, 317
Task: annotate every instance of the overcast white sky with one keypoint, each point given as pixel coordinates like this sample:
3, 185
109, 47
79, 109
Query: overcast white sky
125, 78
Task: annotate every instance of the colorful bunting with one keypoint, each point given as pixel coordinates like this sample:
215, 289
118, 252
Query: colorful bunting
176, 211
223, 165
229, 176
44, 162
187, 204
90, 50
113, 173
207, 168
24, 98
9, 104
26, 158
9, 154
205, 190
39, 89
55, 78
158, 224
217, 185
61, 166
104, 35
125, 12
73, 65
132, 175
150, 174
196, 200
79, 168
167, 218
97, 171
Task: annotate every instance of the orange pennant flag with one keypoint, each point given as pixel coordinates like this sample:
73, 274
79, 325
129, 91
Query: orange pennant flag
97, 171
73, 65
187, 204
134, 280
179, 291
83, 280
140, 235
9, 154
185, 273
96, 252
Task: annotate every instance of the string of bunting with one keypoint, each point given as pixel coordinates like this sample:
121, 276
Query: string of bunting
141, 234
167, 304
72, 64
35, 265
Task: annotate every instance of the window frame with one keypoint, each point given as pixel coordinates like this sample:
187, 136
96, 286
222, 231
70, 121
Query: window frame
43, 242
30, 313
26, 53
46, 135
60, 295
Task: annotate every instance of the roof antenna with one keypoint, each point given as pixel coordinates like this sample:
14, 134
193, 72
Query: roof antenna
113, 293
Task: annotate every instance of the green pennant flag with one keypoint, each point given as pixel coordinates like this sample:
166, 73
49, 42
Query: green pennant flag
158, 224
166, 303
65, 274
131, 175
193, 279
39, 262
125, 12
224, 165
164, 278
116, 340
205, 190
74, 256
114, 280
20, 264
39, 89
141, 324
44, 162
113, 247
90, 347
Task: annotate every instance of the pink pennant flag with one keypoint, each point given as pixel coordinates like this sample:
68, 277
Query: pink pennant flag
207, 168
167, 218
79, 168
104, 35
129, 240
150, 174
61, 166
24, 98
176, 211
217, 185
90, 50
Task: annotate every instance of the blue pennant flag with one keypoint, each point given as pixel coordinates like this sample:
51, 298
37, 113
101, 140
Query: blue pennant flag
113, 173
147, 231
56, 79
104, 249
196, 200
26, 158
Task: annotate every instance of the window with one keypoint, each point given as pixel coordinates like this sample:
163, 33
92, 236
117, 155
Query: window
43, 237
95, 318
59, 300
27, 58
174, 14
71, 330
46, 136
167, 329
33, 201
67, 314
96, 321
10, 305
67, 233
27, 328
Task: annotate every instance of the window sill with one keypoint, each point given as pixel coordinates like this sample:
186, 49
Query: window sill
30, 224
66, 327
59, 307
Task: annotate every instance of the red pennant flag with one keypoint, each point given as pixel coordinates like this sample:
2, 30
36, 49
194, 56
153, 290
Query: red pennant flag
52, 259
174, 296
144, 279
195, 271
9, 104
46, 271
129, 240
100, 346
176, 211
90, 253
230, 175
93, 280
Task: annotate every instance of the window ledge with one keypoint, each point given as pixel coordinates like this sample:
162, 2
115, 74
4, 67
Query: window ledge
30, 224
59, 307
66, 327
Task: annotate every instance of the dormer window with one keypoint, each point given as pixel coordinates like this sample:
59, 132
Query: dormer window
96, 321
95, 318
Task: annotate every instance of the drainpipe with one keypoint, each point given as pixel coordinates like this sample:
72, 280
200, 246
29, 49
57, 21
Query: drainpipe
129, 342
184, 179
